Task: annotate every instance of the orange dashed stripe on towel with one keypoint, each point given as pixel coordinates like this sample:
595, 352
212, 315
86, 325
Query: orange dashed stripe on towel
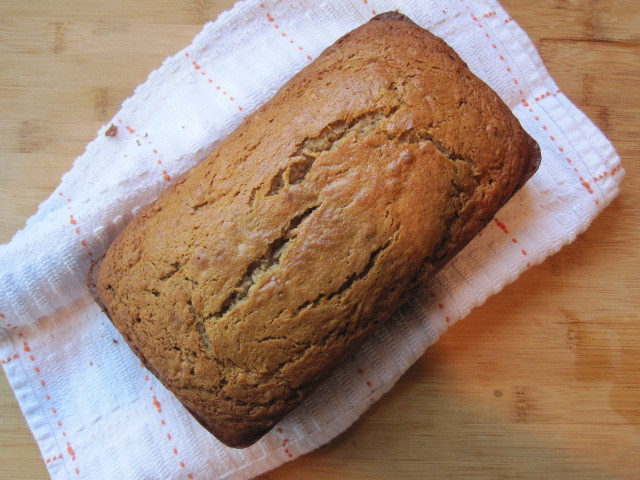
608, 173
366, 2
272, 21
209, 79
527, 103
145, 140
504, 228
158, 407
74, 223
49, 400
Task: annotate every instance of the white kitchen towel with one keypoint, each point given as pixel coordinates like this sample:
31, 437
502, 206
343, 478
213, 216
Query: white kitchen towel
93, 409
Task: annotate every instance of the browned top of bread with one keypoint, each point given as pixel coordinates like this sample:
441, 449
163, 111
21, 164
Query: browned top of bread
269, 262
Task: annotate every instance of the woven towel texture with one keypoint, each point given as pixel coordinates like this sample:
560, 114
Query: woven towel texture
94, 410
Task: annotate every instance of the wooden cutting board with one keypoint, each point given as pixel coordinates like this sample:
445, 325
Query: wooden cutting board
543, 381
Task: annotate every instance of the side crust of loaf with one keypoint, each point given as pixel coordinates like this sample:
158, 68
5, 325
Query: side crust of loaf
266, 265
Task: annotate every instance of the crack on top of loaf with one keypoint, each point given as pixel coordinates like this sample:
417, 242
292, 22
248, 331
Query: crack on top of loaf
201, 327
332, 134
418, 136
348, 282
298, 349
175, 268
262, 266
459, 196
328, 140
215, 174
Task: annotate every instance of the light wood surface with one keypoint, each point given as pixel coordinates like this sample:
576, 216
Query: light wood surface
543, 381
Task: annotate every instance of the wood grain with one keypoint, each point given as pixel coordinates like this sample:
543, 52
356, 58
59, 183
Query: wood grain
543, 381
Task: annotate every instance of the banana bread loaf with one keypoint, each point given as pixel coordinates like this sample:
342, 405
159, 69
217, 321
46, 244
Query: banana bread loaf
269, 262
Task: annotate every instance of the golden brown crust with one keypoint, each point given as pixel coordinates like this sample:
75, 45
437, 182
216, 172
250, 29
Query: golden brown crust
246, 282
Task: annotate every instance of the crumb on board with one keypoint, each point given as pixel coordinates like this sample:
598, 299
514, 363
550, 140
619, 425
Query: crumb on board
112, 131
